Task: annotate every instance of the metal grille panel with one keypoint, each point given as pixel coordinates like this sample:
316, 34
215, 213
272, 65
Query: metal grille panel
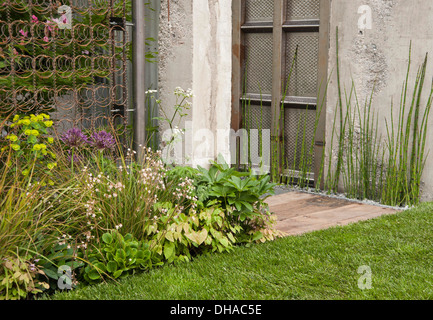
259, 10
258, 62
299, 130
260, 118
65, 57
302, 9
303, 75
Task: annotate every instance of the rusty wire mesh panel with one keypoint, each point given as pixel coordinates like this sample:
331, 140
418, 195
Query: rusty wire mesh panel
302, 9
258, 63
258, 120
298, 136
259, 117
66, 57
303, 69
259, 10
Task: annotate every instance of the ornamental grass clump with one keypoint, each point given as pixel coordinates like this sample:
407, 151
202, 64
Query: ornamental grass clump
126, 198
33, 219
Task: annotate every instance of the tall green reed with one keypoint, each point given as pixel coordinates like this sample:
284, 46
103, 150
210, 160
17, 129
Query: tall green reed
360, 161
388, 170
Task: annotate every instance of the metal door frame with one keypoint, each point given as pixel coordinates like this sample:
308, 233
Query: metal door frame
238, 8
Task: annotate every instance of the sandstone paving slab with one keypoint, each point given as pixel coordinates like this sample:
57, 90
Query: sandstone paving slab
300, 212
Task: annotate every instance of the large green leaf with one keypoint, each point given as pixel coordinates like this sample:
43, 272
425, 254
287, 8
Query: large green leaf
128, 237
169, 250
201, 236
169, 236
107, 238
112, 266
120, 255
224, 241
94, 275
117, 274
100, 267
52, 274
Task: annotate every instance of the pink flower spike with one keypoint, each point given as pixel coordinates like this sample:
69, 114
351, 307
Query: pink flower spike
35, 19
46, 39
48, 23
24, 33
64, 19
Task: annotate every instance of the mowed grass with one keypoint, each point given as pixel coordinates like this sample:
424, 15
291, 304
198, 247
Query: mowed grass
321, 265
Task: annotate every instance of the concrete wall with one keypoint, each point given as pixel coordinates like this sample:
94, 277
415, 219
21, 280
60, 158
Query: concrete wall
195, 52
380, 55
175, 44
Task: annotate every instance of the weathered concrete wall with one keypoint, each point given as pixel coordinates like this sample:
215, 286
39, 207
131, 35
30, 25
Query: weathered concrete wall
212, 70
175, 42
195, 52
378, 56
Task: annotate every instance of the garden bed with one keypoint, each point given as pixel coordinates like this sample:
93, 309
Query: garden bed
322, 265
83, 208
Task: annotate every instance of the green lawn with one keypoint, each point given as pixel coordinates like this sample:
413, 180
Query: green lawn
320, 265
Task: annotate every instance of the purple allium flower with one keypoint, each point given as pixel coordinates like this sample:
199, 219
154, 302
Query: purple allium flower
102, 140
74, 138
